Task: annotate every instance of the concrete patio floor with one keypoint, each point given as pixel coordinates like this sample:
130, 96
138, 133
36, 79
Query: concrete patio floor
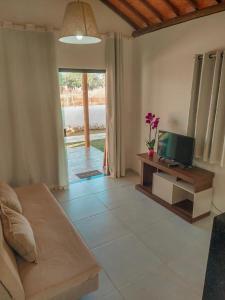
82, 159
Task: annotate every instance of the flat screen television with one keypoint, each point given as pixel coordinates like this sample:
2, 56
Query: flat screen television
176, 147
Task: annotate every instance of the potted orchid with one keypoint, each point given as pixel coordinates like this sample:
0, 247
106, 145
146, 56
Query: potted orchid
153, 122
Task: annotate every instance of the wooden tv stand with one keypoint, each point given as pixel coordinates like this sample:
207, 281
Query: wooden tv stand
185, 191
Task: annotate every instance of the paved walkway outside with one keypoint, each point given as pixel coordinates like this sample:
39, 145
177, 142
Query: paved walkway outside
81, 159
80, 138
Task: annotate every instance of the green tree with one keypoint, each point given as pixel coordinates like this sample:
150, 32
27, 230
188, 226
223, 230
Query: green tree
96, 80
71, 80
74, 80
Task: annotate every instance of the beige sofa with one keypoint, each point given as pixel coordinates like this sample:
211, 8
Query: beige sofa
66, 270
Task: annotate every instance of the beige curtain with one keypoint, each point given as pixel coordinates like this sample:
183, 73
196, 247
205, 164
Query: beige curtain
115, 100
31, 133
207, 110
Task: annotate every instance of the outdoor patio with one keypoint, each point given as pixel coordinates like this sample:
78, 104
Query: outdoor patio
82, 159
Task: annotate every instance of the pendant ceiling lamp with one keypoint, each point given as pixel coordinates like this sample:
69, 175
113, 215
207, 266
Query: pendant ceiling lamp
79, 25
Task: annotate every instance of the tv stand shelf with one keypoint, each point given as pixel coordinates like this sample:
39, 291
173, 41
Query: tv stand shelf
186, 192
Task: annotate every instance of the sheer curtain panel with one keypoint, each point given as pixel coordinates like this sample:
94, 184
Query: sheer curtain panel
31, 132
115, 107
207, 110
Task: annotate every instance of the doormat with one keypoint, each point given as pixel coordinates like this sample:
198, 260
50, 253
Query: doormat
89, 174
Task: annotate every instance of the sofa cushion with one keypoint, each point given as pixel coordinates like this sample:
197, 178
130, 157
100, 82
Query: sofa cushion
4, 294
18, 233
64, 261
9, 275
9, 198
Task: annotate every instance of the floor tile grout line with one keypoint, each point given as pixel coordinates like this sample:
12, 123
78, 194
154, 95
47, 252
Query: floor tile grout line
78, 197
138, 238
96, 214
86, 195
139, 275
149, 249
111, 241
181, 278
93, 216
113, 284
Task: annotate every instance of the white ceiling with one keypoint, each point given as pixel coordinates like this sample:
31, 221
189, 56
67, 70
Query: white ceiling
50, 12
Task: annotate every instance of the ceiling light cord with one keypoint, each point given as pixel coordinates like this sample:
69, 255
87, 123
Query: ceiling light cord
84, 18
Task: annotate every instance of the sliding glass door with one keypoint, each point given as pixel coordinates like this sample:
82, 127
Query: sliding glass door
83, 105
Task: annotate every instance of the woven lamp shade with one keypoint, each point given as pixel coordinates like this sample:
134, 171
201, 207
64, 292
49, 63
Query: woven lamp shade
79, 25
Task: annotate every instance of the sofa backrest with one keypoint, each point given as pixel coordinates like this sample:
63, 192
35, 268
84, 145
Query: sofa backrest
9, 276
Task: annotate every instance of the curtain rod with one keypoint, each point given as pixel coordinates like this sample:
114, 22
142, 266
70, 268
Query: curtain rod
46, 28
211, 55
27, 26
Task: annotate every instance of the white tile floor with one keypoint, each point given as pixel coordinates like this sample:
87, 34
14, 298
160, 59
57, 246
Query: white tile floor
146, 252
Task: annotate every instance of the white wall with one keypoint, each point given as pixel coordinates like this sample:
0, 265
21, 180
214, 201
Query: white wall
163, 69
81, 56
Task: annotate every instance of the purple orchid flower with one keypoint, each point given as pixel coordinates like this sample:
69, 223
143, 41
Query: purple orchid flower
149, 118
153, 122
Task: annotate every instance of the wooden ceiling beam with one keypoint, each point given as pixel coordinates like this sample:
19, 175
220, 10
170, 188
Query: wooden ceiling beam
136, 12
193, 4
172, 7
153, 10
181, 19
121, 14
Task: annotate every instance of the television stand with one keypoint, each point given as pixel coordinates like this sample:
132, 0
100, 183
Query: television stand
186, 192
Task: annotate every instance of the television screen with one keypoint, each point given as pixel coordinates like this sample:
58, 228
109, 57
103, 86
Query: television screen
176, 147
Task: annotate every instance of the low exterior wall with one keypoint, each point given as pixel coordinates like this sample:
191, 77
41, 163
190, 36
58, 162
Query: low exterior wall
73, 116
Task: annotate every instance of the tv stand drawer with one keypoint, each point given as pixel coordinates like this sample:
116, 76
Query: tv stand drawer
162, 187
165, 187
